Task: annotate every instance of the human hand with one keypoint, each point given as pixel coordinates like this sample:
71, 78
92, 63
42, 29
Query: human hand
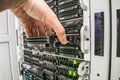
34, 15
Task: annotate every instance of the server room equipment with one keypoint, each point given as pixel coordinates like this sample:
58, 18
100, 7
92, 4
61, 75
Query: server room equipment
86, 56
79, 59
54, 61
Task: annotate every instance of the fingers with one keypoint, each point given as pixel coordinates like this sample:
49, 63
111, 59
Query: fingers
48, 31
28, 31
41, 29
44, 29
31, 28
39, 10
58, 28
34, 31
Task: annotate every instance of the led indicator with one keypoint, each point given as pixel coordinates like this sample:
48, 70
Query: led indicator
74, 62
69, 72
74, 74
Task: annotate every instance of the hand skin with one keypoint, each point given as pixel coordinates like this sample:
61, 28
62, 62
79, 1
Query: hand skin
36, 16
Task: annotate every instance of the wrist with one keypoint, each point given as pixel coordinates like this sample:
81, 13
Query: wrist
18, 4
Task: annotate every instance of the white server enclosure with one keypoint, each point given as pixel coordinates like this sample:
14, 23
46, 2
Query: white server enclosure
8, 52
100, 37
115, 63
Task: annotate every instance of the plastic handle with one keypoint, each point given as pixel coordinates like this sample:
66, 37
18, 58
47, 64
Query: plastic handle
81, 68
82, 38
83, 6
85, 42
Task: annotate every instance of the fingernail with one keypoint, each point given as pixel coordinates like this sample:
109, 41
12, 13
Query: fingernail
64, 40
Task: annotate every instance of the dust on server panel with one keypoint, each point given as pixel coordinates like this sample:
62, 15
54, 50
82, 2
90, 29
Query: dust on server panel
55, 61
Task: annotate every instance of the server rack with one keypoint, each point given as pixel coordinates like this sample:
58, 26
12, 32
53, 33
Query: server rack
85, 57
55, 61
